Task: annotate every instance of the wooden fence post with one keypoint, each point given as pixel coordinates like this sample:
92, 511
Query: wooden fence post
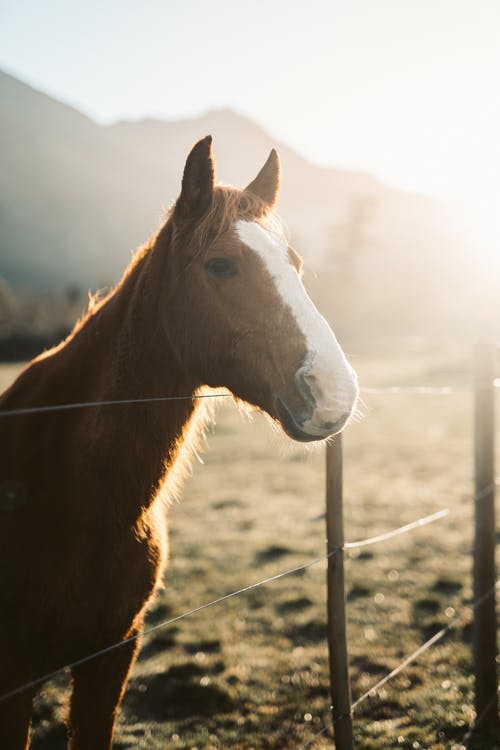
484, 629
337, 638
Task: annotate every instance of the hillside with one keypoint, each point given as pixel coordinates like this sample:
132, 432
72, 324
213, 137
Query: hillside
76, 198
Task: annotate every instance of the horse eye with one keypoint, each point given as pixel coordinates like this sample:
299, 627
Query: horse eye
221, 268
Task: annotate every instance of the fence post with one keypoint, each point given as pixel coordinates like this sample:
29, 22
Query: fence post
337, 638
484, 628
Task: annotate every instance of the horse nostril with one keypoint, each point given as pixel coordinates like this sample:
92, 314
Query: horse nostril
305, 380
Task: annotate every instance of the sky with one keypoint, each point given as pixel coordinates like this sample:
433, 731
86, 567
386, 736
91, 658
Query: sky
404, 89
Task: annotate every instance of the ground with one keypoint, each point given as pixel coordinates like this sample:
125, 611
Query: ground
252, 672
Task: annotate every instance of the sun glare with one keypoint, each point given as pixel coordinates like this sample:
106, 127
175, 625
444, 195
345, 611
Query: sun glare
482, 221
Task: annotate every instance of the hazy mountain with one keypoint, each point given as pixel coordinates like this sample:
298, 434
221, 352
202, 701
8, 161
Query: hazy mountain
76, 198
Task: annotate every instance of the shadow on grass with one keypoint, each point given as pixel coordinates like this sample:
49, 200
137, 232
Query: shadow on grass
291, 606
153, 645
313, 631
274, 552
183, 691
52, 738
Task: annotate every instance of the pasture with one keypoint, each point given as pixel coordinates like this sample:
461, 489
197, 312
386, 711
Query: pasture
252, 672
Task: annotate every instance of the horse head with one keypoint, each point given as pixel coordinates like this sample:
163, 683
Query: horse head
238, 313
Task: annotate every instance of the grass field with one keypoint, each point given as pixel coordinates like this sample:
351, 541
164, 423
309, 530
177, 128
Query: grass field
252, 672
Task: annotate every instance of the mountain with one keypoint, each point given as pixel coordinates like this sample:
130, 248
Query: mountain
77, 197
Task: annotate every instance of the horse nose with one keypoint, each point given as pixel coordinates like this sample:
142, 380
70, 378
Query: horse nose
330, 394
318, 390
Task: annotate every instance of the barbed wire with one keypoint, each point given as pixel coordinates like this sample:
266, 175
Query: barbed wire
425, 646
389, 390
424, 390
411, 658
486, 490
347, 546
113, 402
425, 520
428, 390
421, 390
396, 532
165, 623
316, 736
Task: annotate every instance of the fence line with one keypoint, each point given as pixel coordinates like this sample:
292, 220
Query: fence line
411, 658
423, 390
417, 390
165, 623
316, 736
113, 402
486, 490
401, 530
425, 520
425, 646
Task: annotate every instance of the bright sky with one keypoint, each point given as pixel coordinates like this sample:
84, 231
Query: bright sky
405, 89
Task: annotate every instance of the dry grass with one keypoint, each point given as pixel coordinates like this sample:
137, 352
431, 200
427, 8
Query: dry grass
253, 672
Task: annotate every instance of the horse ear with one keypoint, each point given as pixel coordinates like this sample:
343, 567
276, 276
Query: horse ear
197, 181
267, 183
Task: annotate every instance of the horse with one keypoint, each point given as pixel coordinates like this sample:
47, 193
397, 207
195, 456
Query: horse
214, 300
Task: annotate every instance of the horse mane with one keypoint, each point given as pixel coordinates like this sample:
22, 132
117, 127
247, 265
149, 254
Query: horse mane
229, 205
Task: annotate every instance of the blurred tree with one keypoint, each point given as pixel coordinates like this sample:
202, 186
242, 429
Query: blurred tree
7, 305
339, 282
350, 239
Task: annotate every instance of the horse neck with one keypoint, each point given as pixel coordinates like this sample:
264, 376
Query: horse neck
127, 334
131, 358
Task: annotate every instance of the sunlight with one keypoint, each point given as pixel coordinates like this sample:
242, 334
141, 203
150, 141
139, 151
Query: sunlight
482, 217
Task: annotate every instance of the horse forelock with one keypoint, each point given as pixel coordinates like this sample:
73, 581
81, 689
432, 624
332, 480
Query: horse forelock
229, 205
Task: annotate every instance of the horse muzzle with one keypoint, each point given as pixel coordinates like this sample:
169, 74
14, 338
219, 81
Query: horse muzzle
326, 402
294, 425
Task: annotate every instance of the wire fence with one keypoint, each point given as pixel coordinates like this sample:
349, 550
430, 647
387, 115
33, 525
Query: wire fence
425, 520
383, 537
414, 525
444, 390
409, 660
114, 402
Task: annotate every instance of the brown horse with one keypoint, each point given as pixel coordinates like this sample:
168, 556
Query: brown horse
214, 299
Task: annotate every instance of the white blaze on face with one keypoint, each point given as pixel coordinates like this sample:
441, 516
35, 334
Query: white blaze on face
327, 374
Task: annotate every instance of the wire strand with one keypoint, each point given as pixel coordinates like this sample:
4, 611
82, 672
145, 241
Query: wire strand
316, 736
411, 658
164, 624
401, 530
422, 390
114, 402
425, 646
427, 390
487, 490
444, 390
